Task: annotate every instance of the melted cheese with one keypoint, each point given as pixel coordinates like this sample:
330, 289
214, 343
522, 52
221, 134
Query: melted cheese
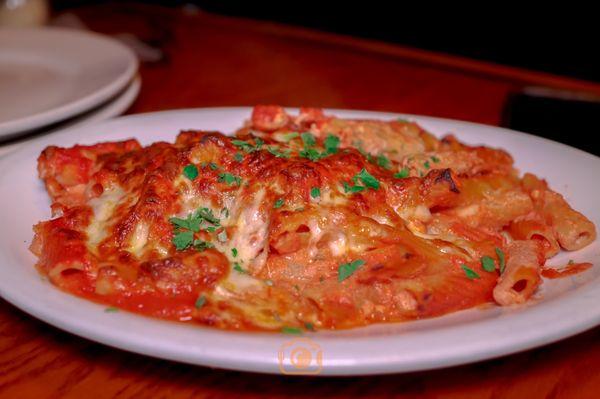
102, 210
139, 238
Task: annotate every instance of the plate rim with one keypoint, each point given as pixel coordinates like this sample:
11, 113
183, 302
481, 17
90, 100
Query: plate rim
534, 339
111, 109
15, 127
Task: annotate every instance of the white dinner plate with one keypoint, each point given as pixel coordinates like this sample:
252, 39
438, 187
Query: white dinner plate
114, 107
561, 308
50, 74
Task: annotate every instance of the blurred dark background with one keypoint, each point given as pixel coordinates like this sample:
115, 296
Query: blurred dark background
560, 38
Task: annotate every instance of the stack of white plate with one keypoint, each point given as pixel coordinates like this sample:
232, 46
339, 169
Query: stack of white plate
51, 78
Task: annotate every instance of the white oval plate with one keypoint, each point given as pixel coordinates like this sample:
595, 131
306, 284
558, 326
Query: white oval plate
114, 107
562, 307
50, 74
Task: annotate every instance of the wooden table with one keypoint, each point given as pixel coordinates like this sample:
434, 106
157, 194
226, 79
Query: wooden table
218, 61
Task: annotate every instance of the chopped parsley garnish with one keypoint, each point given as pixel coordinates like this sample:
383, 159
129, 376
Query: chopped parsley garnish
207, 214
200, 245
183, 239
111, 309
222, 236
238, 157
383, 161
238, 268
278, 204
230, 179
331, 144
471, 274
190, 171
289, 136
192, 222
234, 252
308, 139
310, 153
279, 154
352, 189
502, 259
488, 264
213, 166
368, 179
347, 269
210, 229
291, 330
244, 145
435, 159
571, 262
315, 192
225, 212
404, 172
200, 302
309, 326
426, 165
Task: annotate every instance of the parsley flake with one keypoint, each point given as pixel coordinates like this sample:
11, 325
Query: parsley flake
225, 212
200, 245
308, 139
111, 309
315, 192
291, 330
331, 144
279, 154
352, 189
278, 204
488, 264
347, 269
426, 165
403, 174
200, 302
230, 179
238, 268
383, 161
471, 274
234, 252
289, 136
207, 214
190, 171
310, 153
183, 239
502, 259
241, 144
309, 326
435, 159
244, 145
368, 179
238, 157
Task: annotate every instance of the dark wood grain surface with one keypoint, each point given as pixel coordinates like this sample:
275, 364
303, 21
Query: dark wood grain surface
218, 61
